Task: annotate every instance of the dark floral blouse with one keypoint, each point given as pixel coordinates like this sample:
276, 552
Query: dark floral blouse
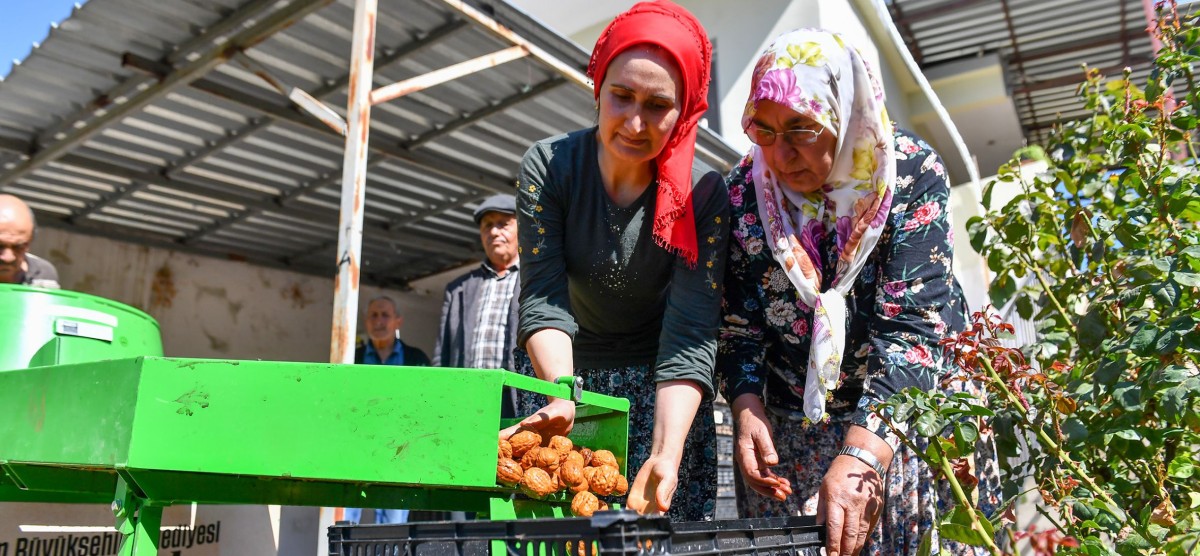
904, 301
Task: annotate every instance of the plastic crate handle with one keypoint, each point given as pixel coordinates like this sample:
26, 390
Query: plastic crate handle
576, 385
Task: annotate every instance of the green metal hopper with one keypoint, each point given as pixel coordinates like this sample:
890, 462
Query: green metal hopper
147, 432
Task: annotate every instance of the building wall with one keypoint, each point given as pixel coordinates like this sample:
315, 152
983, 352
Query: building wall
215, 308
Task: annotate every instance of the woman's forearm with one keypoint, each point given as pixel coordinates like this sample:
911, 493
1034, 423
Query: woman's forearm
550, 352
674, 410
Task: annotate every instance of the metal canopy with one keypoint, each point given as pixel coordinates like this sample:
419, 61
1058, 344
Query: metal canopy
1043, 43
167, 123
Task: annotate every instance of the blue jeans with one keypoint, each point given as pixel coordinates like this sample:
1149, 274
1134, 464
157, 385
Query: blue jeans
354, 515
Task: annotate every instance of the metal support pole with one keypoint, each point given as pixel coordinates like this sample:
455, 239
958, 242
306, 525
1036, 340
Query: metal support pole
354, 183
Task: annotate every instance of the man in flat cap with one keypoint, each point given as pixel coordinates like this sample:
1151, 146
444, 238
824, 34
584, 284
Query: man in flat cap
17, 264
479, 311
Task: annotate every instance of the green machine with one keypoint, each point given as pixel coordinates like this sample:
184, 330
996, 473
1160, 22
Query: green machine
102, 417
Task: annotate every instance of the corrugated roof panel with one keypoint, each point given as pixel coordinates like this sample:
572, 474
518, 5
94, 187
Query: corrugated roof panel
1042, 51
223, 163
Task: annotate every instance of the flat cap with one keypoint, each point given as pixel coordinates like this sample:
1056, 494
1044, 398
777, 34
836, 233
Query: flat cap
501, 202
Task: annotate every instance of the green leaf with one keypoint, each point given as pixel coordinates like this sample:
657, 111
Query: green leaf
1093, 327
926, 543
965, 435
1182, 467
1129, 396
957, 527
977, 230
1142, 339
1166, 293
1187, 279
1110, 370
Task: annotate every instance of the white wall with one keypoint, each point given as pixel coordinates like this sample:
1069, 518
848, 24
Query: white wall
215, 308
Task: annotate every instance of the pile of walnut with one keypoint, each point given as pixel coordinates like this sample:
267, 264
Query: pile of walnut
559, 466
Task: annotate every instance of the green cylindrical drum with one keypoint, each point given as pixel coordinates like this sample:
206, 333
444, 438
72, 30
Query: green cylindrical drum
52, 327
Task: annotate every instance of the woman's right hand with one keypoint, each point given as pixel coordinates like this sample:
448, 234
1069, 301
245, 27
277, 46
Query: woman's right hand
555, 418
754, 450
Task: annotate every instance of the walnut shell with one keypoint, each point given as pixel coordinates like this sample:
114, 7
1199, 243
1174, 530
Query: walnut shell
603, 457
622, 486
604, 481
530, 458
505, 449
562, 445
581, 486
523, 441
537, 483
588, 473
571, 472
603, 506
509, 472
587, 456
546, 458
584, 504
575, 456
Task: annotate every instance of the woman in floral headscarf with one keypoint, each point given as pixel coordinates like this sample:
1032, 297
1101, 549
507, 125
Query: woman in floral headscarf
838, 288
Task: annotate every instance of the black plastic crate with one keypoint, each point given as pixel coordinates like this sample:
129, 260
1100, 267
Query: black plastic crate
616, 533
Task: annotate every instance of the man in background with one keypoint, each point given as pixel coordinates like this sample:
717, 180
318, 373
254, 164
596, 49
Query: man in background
17, 264
384, 347
479, 311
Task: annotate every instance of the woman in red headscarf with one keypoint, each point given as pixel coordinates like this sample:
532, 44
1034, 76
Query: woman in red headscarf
622, 236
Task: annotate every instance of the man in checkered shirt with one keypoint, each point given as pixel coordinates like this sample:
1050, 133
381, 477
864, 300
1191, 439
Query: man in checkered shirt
479, 311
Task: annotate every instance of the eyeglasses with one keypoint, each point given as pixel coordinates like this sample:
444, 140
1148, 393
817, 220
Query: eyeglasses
797, 137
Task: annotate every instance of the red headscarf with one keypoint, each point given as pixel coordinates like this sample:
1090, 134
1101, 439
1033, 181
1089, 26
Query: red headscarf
676, 31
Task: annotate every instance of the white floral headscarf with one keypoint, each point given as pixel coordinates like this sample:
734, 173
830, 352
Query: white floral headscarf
819, 75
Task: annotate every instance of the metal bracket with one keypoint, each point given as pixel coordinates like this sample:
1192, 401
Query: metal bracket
576, 384
138, 521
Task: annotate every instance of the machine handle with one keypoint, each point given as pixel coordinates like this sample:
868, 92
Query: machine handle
576, 384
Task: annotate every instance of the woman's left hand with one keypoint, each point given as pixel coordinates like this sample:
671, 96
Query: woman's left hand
654, 486
851, 496
849, 504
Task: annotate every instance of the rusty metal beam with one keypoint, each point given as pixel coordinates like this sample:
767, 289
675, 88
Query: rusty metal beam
449, 73
906, 32
483, 20
249, 26
1016, 48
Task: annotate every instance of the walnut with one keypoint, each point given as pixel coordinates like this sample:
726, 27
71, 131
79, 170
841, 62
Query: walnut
562, 445
588, 473
603, 457
523, 441
622, 486
530, 458
584, 504
537, 483
571, 472
509, 472
581, 486
603, 506
546, 458
604, 480
505, 449
587, 456
573, 455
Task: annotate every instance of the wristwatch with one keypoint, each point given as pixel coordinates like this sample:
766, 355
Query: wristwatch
865, 457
